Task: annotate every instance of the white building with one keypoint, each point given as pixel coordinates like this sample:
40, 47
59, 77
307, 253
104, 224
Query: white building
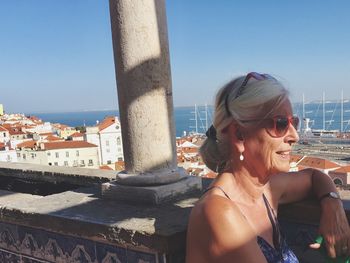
43, 128
108, 137
7, 154
4, 135
61, 153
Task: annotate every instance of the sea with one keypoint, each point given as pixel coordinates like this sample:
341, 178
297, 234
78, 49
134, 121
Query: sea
185, 118
197, 119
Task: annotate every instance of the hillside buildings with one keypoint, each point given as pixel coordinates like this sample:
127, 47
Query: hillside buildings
30, 140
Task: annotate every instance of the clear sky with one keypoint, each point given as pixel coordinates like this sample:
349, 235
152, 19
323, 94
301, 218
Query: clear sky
57, 55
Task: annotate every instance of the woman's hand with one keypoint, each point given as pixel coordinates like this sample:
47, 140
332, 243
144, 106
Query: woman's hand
334, 228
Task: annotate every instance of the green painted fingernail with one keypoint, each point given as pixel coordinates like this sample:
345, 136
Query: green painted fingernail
319, 239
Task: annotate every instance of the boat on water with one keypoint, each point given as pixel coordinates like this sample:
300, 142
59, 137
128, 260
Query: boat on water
308, 135
325, 135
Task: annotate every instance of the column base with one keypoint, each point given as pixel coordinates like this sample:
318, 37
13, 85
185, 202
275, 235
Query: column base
153, 178
151, 195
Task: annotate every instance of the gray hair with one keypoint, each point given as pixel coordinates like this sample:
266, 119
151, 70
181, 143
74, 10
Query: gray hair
256, 100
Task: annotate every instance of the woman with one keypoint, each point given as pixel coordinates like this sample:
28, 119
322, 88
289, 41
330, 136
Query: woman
249, 145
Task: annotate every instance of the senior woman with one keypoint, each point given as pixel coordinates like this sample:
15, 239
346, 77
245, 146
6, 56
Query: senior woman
249, 145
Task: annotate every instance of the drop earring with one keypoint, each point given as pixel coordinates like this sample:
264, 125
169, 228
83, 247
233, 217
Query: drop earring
241, 157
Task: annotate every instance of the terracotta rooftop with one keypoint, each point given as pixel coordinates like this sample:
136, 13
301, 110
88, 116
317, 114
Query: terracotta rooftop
15, 132
105, 167
295, 158
108, 121
319, 163
67, 144
77, 134
2, 128
33, 118
53, 138
27, 144
343, 169
60, 126
45, 133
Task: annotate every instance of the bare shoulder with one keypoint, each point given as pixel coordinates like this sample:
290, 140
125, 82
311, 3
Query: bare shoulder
218, 232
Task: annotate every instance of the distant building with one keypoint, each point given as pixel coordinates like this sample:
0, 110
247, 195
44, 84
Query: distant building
77, 136
341, 176
63, 131
17, 135
42, 128
7, 154
318, 163
4, 135
60, 153
108, 137
1, 110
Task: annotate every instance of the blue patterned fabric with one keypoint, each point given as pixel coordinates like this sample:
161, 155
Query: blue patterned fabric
272, 255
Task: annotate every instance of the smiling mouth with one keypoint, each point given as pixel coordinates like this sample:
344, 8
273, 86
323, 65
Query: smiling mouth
284, 154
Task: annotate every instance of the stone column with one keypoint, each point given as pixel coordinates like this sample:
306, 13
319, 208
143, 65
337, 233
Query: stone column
141, 55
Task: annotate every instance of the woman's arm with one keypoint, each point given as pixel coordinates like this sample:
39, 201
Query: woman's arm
334, 225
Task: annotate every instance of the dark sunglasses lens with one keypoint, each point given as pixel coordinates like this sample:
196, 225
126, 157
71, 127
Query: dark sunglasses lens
282, 124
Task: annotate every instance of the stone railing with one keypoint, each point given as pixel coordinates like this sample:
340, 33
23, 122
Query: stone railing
76, 225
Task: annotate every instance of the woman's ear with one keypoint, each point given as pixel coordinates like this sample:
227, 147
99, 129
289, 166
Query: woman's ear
239, 135
236, 136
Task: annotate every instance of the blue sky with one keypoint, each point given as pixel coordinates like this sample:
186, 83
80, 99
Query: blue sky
57, 55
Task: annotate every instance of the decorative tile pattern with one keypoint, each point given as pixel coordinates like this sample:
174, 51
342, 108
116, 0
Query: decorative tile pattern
29, 245
110, 254
31, 260
9, 237
55, 247
140, 257
7, 257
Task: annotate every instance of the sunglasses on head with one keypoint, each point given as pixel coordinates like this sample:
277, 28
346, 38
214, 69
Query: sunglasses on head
252, 75
249, 76
278, 125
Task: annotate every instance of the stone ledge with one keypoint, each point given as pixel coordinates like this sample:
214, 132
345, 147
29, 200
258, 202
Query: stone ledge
77, 176
83, 214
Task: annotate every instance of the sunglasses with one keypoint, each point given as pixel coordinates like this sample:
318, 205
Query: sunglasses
251, 75
278, 125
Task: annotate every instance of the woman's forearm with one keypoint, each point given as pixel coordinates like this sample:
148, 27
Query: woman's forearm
322, 184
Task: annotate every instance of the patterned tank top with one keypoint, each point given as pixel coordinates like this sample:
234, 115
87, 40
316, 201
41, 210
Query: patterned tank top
280, 253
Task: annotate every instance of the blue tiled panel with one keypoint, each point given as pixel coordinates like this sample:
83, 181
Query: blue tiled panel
134, 256
55, 247
31, 260
110, 254
9, 237
29, 245
7, 257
